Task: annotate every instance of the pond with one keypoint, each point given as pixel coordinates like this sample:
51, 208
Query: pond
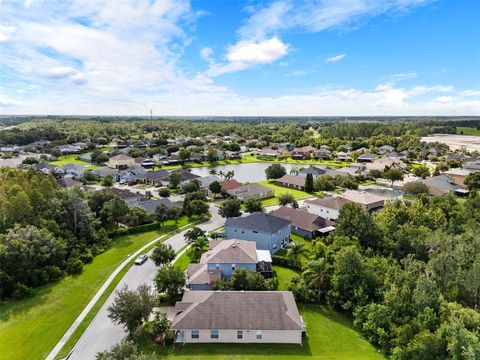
249, 172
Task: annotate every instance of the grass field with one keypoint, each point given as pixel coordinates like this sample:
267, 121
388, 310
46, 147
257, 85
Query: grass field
330, 336
462, 130
332, 163
278, 190
184, 260
30, 328
72, 159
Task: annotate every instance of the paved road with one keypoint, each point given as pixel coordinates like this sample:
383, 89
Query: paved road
102, 333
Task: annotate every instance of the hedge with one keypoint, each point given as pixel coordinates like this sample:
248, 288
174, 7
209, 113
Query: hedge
285, 262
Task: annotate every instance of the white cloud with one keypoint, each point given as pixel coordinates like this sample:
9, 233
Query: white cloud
6, 32
206, 53
248, 53
318, 15
336, 58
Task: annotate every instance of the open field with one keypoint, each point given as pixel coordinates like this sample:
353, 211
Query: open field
31, 327
462, 130
330, 336
72, 159
454, 142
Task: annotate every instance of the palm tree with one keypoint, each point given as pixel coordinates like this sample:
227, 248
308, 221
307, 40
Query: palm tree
315, 276
229, 174
213, 172
199, 245
295, 251
294, 171
221, 174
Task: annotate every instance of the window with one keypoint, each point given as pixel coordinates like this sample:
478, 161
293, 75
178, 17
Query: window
217, 266
259, 335
239, 334
214, 334
195, 334
233, 266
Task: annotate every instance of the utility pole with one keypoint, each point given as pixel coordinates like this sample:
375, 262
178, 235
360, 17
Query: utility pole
151, 118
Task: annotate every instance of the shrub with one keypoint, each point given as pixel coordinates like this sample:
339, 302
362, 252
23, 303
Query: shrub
22, 291
74, 266
285, 262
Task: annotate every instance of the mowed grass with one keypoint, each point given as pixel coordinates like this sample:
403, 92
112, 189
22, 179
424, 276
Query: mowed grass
72, 159
278, 190
284, 276
30, 328
463, 130
330, 336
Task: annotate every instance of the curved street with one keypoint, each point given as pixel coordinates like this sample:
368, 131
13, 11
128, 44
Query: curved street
102, 333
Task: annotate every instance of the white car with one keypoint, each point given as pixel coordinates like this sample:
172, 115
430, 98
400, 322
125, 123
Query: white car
141, 259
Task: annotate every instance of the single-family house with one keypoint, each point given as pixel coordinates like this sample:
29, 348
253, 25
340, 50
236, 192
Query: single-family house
327, 208
367, 200
130, 175
303, 223
150, 205
155, 178
323, 154
237, 317
186, 175
267, 231
252, 191
121, 161
44, 167
458, 175
71, 170
205, 181
342, 156
221, 259
304, 152
230, 184
101, 172
385, 163
68, 182
126, 195
387, 193
385, 149
291, 181
368, 157
441, 185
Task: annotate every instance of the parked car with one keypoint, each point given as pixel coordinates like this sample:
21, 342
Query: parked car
141, 259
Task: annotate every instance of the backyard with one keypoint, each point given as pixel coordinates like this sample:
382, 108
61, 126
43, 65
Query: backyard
278, 190
72, 159
330, 336
30, 328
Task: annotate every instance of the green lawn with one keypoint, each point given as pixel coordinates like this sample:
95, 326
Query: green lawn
462, 130
332, 163
330, 336
72, 159
284, 276
278, 190
30, 328
184, 260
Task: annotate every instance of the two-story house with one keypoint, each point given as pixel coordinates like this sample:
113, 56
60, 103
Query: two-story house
221, 259
268, 232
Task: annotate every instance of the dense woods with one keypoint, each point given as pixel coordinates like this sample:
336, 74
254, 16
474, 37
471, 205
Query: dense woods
409, 275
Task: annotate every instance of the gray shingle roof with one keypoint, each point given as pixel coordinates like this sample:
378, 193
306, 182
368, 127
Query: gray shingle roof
258, 222
245, 310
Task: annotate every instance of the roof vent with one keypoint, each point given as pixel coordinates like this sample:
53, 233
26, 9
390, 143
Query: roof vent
234, 245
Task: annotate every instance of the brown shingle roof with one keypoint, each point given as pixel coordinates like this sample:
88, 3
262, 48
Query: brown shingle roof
301, 219
332, 202
246, 310
292, 179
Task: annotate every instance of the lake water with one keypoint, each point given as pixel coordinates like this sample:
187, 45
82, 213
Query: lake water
249, 172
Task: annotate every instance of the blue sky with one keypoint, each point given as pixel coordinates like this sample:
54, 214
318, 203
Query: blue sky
284, 57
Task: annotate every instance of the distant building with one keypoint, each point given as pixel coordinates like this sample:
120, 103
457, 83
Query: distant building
252, 191
327, 208
303, 223
121, 161
442, 184
291, 181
